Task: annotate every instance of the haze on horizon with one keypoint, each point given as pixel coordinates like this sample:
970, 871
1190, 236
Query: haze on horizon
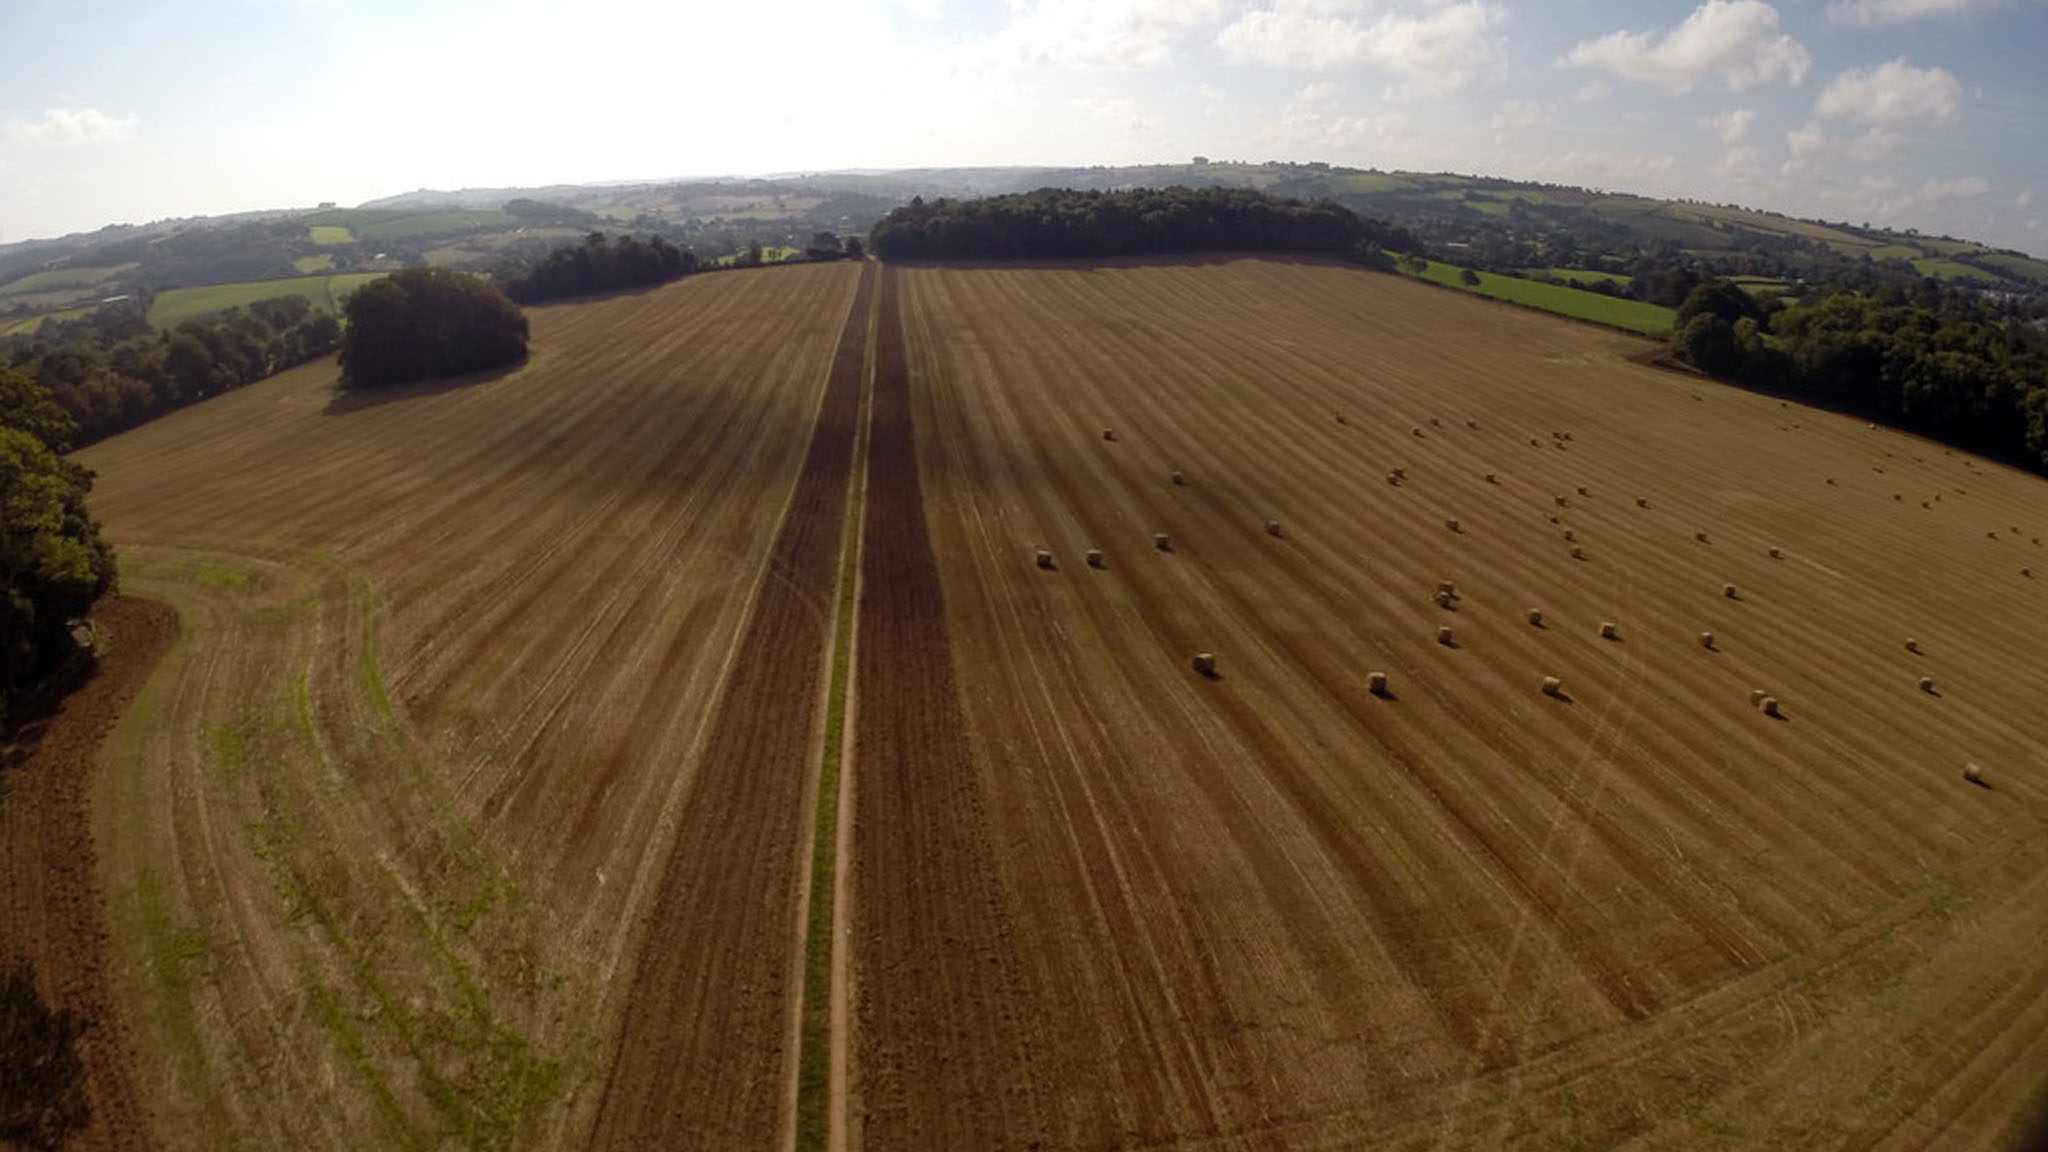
1907, 113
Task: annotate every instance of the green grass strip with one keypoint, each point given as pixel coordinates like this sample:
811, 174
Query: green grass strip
814, 1045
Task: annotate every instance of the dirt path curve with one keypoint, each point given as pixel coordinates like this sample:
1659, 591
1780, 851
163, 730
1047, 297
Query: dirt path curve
932, 961
702, 1055
51, 911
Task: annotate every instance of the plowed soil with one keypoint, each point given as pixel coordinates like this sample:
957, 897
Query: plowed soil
383, 838
1273, 910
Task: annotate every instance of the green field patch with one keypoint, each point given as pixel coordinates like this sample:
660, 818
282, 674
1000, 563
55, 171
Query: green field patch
59, 279
1579, 276
27, 325
1942, 268
330, 234
325, 292
1628, 315
2015, 266
324, 262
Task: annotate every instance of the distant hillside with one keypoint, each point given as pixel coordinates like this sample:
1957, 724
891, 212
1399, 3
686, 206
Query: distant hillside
1501, 226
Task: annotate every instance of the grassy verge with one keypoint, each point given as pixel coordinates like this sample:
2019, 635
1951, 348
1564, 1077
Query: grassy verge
1627, 315
814, 1043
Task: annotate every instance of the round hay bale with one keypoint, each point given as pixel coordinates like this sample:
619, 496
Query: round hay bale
1444, 637
1180, 478
1757, 696
1553, 687
1447, 588
1341, 419
1492, 479
1770, 707
1731, 592
1570, 535
1109, 434
1566, 436
1912, 646
1417, 430
1444, 599
2027, 572
1777, 553
1535, 443
1973, 774
1927, 685
1272, 528
1707, 641
1163, 542
1642, 501
1095, 558
1578, 553
1205, 663
1394, 478
1582, 490
1045, 560
1700, 536
1608, 631
1536, 617
1560, 501
1453, 525
1376, 683
1401, 472
1472, 424
1435, 423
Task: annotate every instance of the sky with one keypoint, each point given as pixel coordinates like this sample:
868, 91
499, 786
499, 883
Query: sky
1912, 113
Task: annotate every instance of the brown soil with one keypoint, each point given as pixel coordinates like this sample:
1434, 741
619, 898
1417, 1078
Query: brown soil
51, 910
706, 1045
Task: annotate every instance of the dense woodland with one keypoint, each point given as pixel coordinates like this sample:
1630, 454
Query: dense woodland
599, 264
1941, 363
53, 564
428, 324
110, 371
1051, 223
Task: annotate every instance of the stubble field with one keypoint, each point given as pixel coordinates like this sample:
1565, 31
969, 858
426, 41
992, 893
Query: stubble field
473, 805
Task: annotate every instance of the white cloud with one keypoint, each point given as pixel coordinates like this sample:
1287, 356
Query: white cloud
1598, 168
1894, 94
1098, 33
1741, 163
2024, 200
1438, 50
1870, 13
1731, 126
72, 127
1736, 42
1592, 90
1520, 116
1116, 111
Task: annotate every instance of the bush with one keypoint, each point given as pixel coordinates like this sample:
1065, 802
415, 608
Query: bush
428, 324
42, 1080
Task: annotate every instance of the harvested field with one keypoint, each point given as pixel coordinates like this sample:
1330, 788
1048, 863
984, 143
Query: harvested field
1270, 910
474, 806
383, 838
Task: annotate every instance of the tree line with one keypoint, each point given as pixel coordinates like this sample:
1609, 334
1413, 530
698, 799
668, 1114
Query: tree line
599, 264
111, 371
1053, 222
53, 563
1940, 363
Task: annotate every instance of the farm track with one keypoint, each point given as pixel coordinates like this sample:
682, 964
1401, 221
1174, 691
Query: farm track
50, 901
1248, 905
706, 1040
397, 815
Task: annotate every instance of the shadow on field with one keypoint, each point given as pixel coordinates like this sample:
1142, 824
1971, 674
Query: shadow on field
346, 400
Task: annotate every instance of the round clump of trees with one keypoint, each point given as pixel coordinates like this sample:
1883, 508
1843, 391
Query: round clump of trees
428, 324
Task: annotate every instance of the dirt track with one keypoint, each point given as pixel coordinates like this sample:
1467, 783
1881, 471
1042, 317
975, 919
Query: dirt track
50, 909
704, 1051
